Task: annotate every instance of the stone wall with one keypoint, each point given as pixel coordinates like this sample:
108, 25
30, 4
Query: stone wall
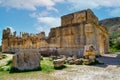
77, 30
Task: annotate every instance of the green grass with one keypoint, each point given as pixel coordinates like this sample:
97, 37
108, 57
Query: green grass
114, 50
9, 62
6, 67
47, 65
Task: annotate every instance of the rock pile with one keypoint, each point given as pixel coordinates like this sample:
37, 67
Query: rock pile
89, 53
88, 57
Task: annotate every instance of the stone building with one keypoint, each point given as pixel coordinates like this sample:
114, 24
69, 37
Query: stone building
77, 30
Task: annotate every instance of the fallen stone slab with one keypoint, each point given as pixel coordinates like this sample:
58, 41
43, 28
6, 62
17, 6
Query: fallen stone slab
78, 61
70, 60
59, 62
86, 61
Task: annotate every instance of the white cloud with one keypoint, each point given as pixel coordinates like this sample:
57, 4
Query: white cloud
44, 13
11, 28
40, 14
82, 4
50, 21
111, 6
33, 15
44, 28
93, 4
30, 4
52, 8
58, 0
45, 21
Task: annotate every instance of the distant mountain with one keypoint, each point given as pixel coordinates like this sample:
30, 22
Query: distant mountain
110, 22
113, 26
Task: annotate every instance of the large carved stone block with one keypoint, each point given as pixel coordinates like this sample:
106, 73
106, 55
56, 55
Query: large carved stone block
26, 60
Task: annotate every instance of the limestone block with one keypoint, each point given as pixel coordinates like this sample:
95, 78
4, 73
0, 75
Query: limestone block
78, 61
92, 57
70, 60
26, 60
59, 62
86, 61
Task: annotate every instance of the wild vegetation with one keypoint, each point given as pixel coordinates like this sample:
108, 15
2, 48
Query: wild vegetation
113, 25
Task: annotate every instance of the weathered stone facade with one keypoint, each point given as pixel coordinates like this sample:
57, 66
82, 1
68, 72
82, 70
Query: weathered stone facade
77, 30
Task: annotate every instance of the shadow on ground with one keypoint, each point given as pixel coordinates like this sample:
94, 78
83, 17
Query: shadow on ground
109, 59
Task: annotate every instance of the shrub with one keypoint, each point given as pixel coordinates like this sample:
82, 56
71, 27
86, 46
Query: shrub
47, 65
6, 67
117, 45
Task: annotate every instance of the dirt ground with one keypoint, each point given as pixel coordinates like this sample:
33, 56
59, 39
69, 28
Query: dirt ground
109, 71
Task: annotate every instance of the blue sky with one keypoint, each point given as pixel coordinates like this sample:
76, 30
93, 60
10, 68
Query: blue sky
34, 16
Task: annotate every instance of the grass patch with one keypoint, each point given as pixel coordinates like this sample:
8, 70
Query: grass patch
47, 65
6, 67
114, 50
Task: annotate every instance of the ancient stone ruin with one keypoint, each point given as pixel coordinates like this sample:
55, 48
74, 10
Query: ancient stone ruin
76, 31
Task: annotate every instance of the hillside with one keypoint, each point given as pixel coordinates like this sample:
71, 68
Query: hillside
113, 25
110, 22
